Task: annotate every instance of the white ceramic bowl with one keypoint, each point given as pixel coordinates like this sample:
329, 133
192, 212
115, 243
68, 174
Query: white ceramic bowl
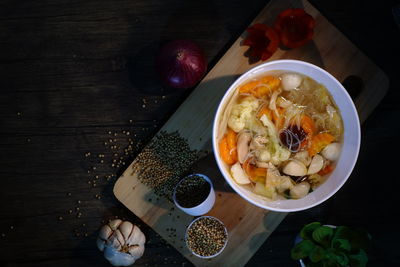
350, 146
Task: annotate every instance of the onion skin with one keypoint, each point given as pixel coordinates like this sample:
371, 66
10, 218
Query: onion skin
181, 64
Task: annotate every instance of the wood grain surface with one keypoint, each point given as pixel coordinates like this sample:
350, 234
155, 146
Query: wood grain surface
73, 71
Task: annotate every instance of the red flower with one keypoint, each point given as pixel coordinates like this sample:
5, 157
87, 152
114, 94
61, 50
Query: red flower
295, 27
262, 40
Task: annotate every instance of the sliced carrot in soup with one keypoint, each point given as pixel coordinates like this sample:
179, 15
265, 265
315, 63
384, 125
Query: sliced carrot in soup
319, 142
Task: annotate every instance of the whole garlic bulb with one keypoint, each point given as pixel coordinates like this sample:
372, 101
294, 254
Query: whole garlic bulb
122, 242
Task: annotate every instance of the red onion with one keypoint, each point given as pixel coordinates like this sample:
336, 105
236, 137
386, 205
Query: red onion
181, 64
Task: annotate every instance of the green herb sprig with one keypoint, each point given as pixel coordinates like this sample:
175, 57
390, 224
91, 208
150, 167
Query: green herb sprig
328, 246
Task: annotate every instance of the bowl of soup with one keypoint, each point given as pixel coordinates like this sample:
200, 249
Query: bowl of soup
286, 135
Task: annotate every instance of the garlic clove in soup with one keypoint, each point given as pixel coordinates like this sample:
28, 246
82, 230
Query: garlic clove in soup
304, 157
295, 168
239, 174
331, 151
291, 81
316, 164
300, 190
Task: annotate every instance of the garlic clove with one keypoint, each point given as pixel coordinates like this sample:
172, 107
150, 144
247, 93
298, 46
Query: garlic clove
291, 81
304, 157
114, 224
105, 232
136, 251
316, 164
142, 238
300, 190
295, 168
113, 242
135, 236
331, 151
238, 174
100, 243
118, 258
126, 229
118, 235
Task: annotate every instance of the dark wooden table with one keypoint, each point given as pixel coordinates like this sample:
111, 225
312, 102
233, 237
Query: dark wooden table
75, 74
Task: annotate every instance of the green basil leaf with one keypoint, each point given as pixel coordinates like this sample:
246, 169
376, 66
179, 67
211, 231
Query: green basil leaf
329, 263
317, 254
358, 238
306, 232
359, 260
341, 244
342, 259
342, 232
302, 249
323, 235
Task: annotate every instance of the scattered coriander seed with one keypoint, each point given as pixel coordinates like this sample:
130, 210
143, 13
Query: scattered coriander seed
143, 106
130, 121
69, 194
163, 161
19, 113
12, 227
3, 235
28, 140
109, 132
60, 218
70, 211
79, 202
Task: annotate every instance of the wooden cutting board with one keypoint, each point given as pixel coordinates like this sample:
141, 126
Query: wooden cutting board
248, 225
